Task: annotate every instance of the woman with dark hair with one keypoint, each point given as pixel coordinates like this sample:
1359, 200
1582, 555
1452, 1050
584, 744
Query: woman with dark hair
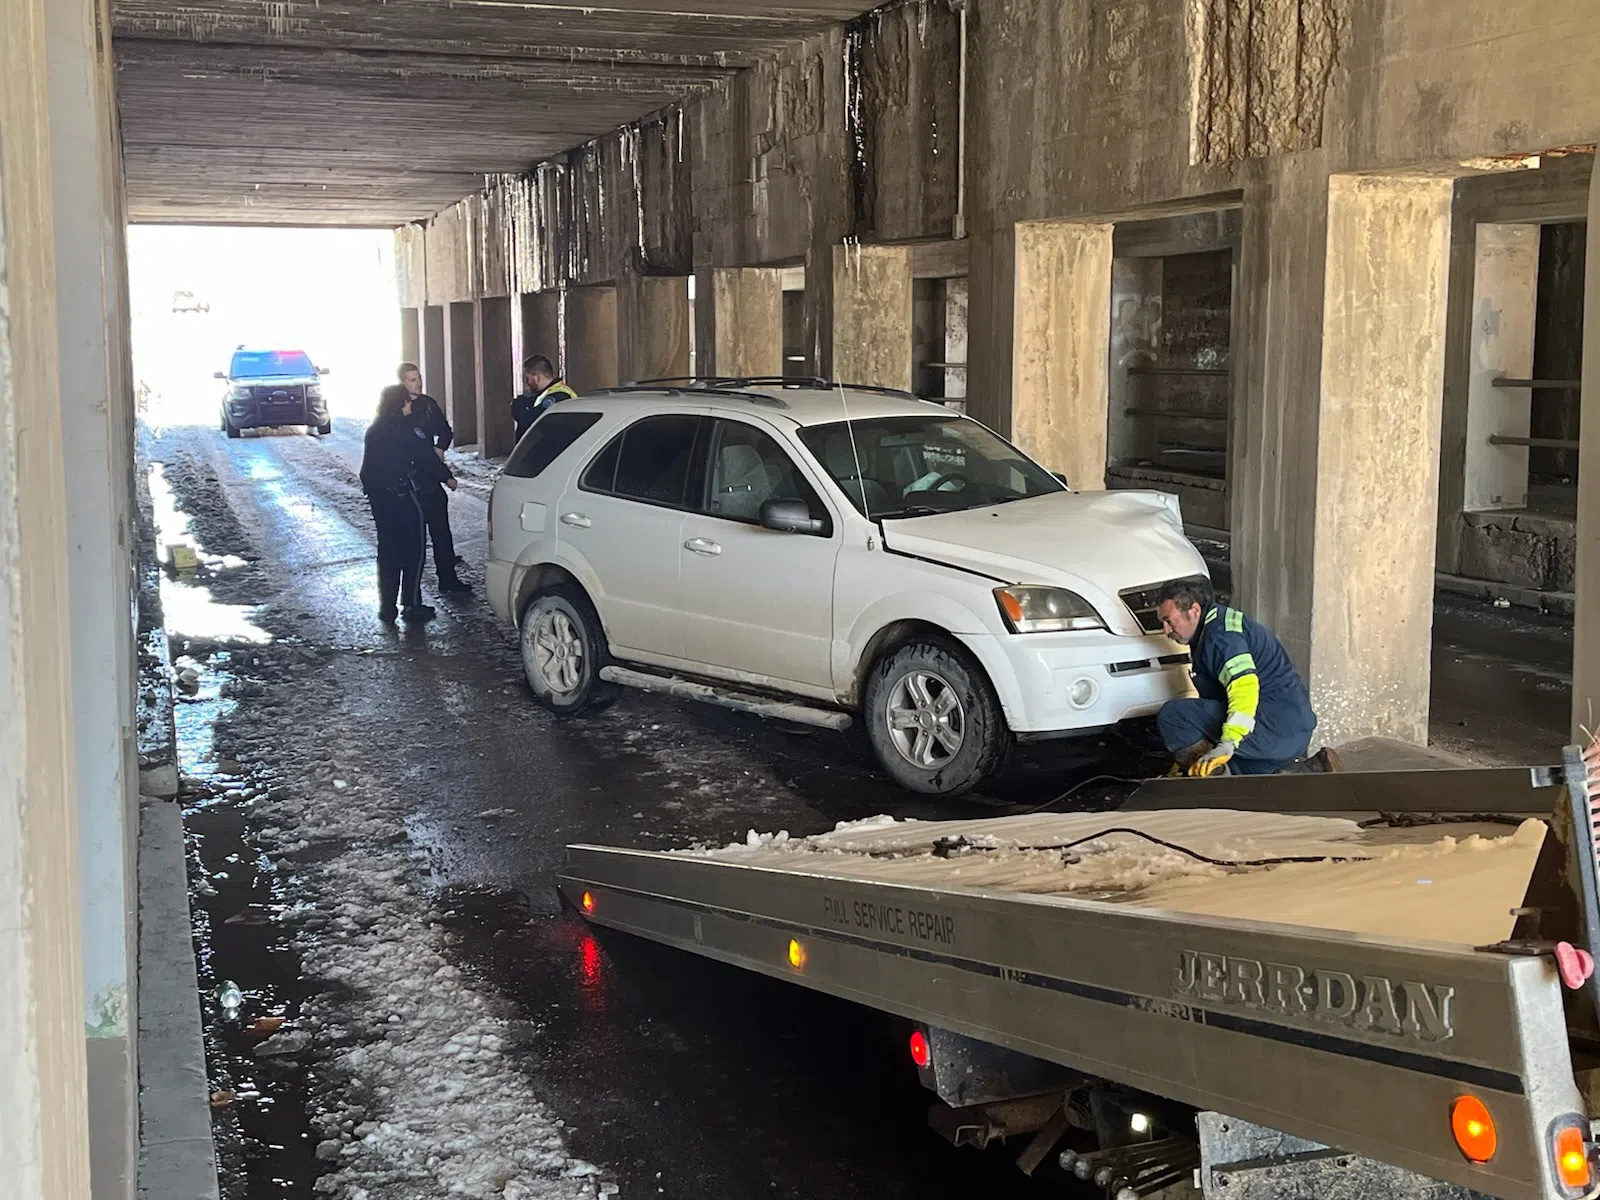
395, 463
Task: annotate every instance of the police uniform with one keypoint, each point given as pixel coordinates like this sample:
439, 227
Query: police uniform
428, 419
525, 409
1249, 694
395, 464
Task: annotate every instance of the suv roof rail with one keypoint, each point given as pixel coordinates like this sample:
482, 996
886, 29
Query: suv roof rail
737, 382
656, 387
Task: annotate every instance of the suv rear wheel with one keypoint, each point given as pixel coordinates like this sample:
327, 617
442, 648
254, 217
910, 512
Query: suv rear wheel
934, 720
563, 649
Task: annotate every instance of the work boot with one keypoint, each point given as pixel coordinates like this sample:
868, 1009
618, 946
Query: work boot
454, 584
388, 614
1324, 762
418, 612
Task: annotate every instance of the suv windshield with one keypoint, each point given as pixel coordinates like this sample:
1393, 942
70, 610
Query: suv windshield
253, 364
919, 466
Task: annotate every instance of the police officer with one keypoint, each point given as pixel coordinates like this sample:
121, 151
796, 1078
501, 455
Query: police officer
395, 463
1253, 710
428, 419
541, 388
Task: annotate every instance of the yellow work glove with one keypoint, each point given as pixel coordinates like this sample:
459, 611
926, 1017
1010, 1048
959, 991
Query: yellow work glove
1214, 761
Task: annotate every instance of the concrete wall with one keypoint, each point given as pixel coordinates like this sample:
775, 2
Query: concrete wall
44, 1131
98, 409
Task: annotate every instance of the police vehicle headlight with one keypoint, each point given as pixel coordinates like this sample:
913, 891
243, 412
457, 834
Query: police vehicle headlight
314, 391
1045, 610
239, 393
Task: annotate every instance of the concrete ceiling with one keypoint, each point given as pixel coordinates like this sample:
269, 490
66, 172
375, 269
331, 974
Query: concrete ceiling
378, 112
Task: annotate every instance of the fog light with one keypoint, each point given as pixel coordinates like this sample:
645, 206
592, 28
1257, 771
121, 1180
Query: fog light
1082, 693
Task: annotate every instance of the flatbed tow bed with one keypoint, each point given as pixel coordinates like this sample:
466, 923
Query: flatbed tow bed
1316, 1061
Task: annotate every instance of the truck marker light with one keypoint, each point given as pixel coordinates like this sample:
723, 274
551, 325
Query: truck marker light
921, 1053
588, 902
1473, 1128
1139, 1123
1572, 1158
797, 955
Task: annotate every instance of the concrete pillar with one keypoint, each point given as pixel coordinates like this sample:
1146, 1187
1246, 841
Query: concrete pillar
1377, 464
1061, 339
1277, 370
435, 366
541, 329
44, 1129
1505, 286
97, 431
872, 315
653, 327
497, 380
461, 376
739, 321
592, 337
1586, 615
411, 336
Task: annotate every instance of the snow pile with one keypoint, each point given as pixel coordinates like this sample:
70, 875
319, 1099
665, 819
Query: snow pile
1100, 855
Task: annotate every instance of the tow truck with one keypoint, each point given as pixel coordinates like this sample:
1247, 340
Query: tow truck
1357, 985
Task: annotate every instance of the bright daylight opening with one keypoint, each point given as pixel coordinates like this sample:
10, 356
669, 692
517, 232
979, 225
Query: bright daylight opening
201, 292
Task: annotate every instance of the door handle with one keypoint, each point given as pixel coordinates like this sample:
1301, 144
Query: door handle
576, 520
702, 546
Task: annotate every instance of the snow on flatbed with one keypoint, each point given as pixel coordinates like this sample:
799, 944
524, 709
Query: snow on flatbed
1325, 872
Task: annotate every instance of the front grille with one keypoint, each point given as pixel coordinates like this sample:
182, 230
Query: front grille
287, 403
1142, 602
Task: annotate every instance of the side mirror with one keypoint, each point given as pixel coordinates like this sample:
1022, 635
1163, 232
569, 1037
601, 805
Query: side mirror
322, 370
1064, 481
221, 375
789, 516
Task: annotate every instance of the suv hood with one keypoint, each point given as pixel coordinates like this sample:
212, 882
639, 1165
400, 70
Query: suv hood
1091, 542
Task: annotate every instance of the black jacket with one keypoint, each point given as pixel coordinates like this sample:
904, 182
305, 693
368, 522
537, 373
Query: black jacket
427, 416
397, 455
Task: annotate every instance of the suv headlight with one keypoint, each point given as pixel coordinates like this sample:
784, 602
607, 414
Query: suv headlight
239, 393
1045, 610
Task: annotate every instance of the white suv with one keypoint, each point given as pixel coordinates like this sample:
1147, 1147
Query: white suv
813, 552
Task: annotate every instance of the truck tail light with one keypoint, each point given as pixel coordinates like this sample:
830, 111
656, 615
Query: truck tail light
921, 1053
1473, 1128
1572, 1158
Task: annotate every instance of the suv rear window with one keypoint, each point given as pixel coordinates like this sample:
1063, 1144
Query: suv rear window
651, 460
547, 441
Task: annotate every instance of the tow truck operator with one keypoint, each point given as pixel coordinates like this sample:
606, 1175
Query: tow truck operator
1253, 714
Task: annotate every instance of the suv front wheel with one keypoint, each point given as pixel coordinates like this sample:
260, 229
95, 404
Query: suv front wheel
563, 649
934, 720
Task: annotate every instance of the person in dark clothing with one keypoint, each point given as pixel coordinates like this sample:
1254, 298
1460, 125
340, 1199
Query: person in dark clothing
428, 419
395, 464
541, 388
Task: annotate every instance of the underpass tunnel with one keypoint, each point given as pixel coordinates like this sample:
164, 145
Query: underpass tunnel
1337, 306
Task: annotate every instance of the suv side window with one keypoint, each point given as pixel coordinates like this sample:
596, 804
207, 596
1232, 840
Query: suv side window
748, 467
651, 460
547, 441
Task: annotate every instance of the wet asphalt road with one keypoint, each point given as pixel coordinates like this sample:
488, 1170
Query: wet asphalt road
677, 1076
